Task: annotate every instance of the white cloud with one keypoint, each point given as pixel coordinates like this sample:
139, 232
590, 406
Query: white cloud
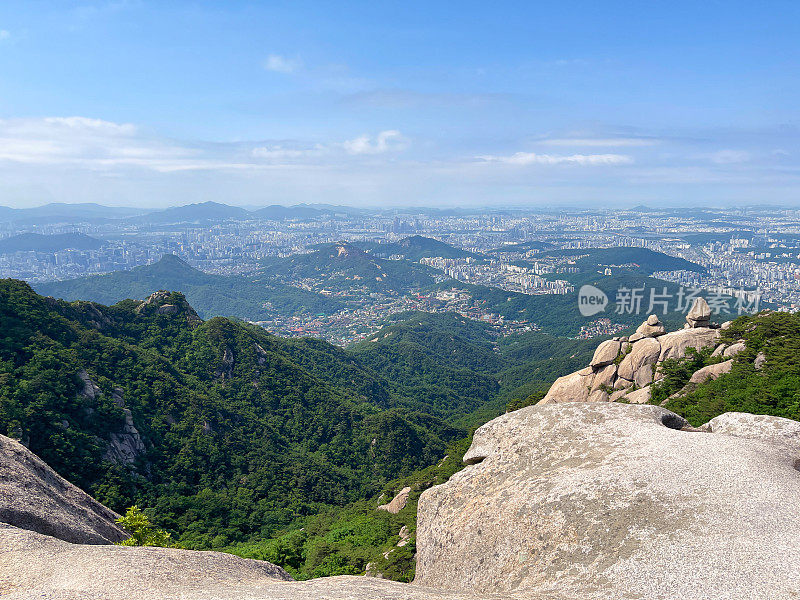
280, 152
729, 157
601, 142
531, 158
386, 141
281, 64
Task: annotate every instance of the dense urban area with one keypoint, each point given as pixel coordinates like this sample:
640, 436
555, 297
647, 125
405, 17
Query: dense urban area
746, 252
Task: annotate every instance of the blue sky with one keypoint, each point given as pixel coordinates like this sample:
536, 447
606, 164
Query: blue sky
414, 103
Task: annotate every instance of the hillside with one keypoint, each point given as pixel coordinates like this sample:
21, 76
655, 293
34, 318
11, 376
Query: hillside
247, 298
345, 268
25, 242
640, 259
416, 247
213, 424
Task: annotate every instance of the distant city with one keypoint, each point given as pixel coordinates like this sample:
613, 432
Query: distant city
521, 251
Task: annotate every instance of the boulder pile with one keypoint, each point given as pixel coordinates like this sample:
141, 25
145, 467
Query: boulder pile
624, 367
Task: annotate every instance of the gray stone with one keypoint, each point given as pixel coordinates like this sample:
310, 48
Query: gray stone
759, 361
610, 500
605, 353
734, 349
711, 372
675, 343
700, 313
644, 353
397, 503
640, 396
33, 496
569, 388
776, 430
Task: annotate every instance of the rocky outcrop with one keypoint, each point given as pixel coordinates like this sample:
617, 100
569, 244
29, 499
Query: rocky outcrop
397, 503
629, 363
699, 314
34, 497
604, 500
36, 566
163, 302
711, 372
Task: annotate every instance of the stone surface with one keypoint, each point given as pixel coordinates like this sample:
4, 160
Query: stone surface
397, 503
612, 501
569, 388
605, 353
645, 352
734, 349
760, 427
711, 372
604, 378
699, 314
759, 361
640, 396
33, 496
37, 566
675, 343
652, 327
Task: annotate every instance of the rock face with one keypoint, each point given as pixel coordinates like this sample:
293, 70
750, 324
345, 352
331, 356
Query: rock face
614, 501
33, 496
37, 566
700, 313
711, 372
398, 503
620, 364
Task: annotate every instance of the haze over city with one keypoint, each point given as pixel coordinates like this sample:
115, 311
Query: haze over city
581, 104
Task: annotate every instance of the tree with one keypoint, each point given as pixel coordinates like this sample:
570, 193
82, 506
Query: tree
142, 531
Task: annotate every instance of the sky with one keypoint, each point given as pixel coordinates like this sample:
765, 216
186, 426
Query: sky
595, 104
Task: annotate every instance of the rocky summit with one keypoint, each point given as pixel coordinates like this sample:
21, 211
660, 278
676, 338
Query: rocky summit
618, 501
560, 501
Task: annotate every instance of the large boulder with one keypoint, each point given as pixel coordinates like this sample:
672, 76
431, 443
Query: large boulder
699, 314
605, 353
608, 500
711, 372
675, 343
569, 388
33, 496
637, 366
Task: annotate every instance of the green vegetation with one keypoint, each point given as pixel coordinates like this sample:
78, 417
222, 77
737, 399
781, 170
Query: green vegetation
415, 247
245, 435
641, 259
251, 298
346, 267
25, 242
240, 439
774, 389
143, 532
345, 540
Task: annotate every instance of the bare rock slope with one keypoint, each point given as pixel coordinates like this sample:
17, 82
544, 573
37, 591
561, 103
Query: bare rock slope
33, 496
607, 500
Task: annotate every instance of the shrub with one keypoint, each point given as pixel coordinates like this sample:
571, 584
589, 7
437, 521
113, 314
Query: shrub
142, 531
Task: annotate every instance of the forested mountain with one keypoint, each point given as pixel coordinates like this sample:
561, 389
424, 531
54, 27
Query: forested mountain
24, 242
251, 298
214, 423
416, 247
346, 267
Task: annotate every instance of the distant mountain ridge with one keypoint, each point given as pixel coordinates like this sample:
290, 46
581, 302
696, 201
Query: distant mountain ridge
48, 243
